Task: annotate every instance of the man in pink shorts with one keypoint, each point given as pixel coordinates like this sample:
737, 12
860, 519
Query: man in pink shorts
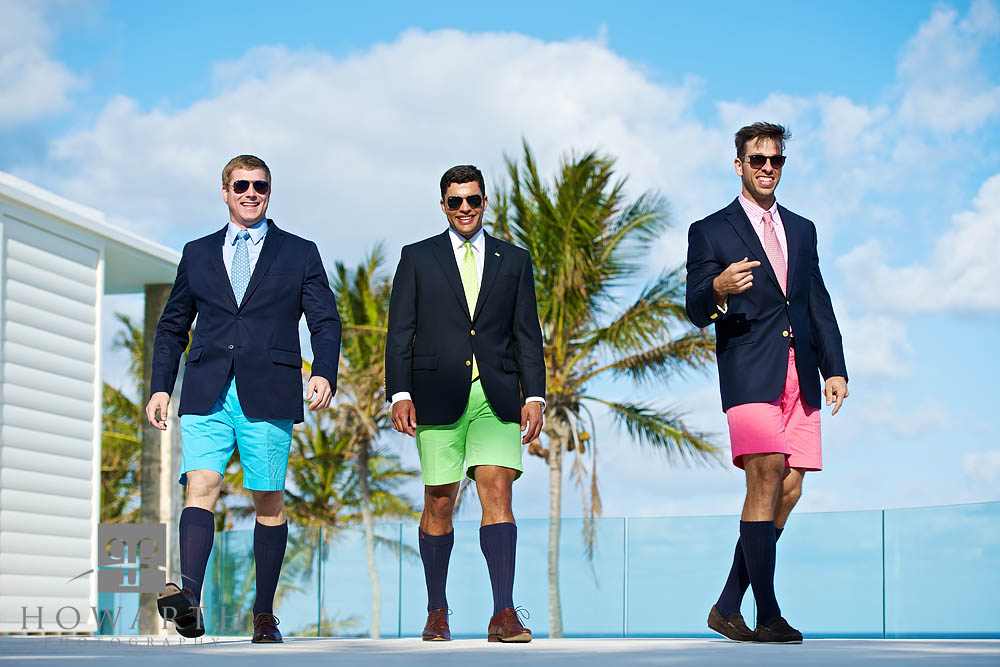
753, 271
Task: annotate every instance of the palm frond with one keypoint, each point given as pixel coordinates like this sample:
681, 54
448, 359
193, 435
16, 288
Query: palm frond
661, 429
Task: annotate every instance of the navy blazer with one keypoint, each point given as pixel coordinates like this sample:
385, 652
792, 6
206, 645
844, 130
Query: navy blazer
258, 337
752, 337
432, 334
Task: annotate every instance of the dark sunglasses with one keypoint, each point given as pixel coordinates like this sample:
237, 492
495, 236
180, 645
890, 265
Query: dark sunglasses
260, 187
455, 203
758, 161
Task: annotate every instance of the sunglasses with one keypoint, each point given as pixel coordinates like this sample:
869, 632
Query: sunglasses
758, 161
260, 187
455, 203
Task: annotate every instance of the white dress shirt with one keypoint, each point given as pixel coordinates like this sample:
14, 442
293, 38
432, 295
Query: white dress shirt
478, 241
254, 244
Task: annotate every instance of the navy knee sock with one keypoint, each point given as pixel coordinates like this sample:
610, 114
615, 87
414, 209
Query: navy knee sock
268, 554
736, 586
758, 540
196, 534
435, 552
499, 544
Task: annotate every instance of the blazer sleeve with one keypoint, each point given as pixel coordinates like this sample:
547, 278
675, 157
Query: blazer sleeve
528, 334
401, 328
702, 269
322, 318
172, 331
826, 333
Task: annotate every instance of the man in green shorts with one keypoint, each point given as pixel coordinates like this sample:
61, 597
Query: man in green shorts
464, 345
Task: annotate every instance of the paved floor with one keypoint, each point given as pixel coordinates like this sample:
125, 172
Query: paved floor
224, 651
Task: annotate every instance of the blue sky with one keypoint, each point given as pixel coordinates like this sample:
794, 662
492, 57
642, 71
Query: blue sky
133, 108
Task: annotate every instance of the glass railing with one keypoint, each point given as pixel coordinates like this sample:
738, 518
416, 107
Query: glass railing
922, 572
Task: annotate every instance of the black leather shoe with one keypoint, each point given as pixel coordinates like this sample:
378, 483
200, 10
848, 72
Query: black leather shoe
734, 627
777, 631
181, 606
265, 629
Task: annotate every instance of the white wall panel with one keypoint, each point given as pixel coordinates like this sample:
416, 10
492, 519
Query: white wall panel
43, 401
25, 355
46, 422
32, 501
26, 438
55, 485
37, 317
54, 464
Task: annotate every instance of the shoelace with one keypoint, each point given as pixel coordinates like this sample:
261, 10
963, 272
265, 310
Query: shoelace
522, 613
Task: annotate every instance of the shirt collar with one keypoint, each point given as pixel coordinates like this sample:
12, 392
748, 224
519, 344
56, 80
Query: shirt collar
755, 212
478, 240
257, 232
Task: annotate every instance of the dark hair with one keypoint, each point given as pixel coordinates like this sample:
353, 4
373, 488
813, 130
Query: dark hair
463, 173
759, 130
248, 162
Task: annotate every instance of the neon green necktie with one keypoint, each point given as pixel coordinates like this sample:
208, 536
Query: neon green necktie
470, 282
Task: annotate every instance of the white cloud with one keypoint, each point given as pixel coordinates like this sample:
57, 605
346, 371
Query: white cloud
983, 468
357, 144
945, 84
32, 83
955, 277
875, 346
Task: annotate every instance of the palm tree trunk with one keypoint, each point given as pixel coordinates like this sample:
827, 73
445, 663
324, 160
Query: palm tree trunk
368, 520
555, 524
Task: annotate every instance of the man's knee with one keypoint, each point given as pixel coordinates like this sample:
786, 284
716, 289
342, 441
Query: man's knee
439, 501
203, 485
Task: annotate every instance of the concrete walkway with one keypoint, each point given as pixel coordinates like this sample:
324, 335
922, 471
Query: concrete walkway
131, 651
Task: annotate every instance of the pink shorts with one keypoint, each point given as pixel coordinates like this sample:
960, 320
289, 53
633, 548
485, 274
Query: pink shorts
786, 426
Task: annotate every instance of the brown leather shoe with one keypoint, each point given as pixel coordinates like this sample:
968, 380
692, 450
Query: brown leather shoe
265, 629
181, 606
734, 627
506, 627
436, 629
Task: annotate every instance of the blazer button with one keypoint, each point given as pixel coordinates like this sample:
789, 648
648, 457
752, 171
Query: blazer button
788, 303
468, 363
239, 317
785, 334
231, 347
713, 316
473, 332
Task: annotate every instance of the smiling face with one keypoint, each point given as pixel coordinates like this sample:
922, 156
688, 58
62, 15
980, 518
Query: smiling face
250, 207
465, 220
759, 184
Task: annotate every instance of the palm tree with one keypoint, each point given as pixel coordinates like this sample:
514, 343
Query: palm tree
121, 434
361, 412
587, 241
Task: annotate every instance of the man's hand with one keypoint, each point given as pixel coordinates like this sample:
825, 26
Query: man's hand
531, 419
158, 401
404, 417
319, 386
735, 279
836, 392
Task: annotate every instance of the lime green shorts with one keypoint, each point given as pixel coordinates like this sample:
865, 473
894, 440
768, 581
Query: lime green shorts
478, 438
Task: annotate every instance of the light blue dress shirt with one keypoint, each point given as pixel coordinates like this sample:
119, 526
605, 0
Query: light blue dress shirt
255, 243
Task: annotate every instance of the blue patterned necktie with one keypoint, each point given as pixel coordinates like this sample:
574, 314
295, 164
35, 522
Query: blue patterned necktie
239, 274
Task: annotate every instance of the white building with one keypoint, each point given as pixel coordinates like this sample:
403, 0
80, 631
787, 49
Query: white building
57, 260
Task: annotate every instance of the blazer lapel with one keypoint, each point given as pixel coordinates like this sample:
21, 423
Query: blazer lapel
215, 259
491, 264
794, 240
741, 223
272, 243
445, 255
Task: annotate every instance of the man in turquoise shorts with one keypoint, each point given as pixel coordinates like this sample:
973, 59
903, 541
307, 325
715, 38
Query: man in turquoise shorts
249, 284
464, 345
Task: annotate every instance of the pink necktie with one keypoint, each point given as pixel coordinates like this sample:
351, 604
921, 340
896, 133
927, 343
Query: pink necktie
773, 250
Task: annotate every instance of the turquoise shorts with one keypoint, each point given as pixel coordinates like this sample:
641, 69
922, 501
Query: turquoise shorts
207, 442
